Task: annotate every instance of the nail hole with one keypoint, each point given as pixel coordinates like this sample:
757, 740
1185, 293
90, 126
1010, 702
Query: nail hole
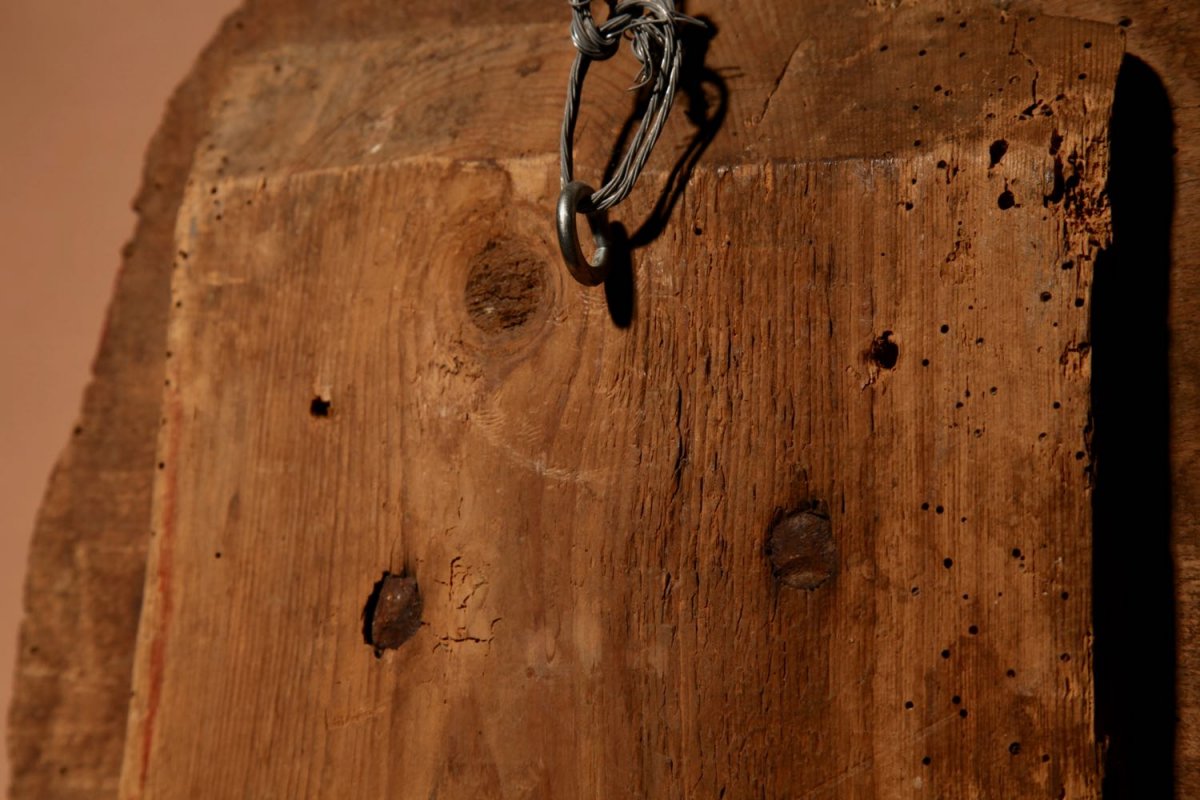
996, 151
392, 613
883, 352
320, 407
801, 549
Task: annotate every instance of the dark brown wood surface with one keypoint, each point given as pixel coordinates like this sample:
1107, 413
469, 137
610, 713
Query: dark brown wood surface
305, 155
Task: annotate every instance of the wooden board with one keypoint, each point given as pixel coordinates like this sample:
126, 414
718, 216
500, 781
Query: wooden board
584, 506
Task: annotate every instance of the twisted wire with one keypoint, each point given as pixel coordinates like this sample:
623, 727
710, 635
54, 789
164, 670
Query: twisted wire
650, 27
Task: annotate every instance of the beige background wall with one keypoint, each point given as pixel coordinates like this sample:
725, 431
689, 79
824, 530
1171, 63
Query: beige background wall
82, 87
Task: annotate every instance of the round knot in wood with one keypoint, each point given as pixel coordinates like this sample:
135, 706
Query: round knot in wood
505, 287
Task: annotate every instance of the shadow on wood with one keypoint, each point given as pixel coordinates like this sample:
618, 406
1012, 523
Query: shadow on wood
706, 115
1134, 585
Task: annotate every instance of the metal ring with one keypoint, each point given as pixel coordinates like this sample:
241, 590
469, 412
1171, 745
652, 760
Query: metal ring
576, 196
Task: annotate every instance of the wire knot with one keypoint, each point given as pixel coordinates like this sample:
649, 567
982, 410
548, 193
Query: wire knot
587, 36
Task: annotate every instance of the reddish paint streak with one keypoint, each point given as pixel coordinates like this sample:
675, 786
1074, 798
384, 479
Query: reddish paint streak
166, 536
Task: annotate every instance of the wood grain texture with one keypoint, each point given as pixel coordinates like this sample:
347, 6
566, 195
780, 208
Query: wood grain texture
584, 506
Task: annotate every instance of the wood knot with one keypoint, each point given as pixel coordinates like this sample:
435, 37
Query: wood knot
393, 612
506, 287
801, 549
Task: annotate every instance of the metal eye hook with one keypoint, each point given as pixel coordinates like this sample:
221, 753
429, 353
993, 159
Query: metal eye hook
570, 204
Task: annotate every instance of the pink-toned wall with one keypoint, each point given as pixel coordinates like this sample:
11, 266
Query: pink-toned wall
82, 87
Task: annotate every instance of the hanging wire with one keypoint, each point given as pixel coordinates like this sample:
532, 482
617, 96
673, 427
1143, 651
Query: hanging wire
650, 27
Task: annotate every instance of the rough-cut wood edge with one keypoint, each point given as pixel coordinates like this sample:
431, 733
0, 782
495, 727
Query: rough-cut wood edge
84, 582
1147, 391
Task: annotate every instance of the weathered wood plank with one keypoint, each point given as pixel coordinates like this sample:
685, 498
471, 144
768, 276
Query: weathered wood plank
585, 507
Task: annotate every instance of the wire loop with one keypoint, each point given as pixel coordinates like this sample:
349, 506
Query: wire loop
650, 26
